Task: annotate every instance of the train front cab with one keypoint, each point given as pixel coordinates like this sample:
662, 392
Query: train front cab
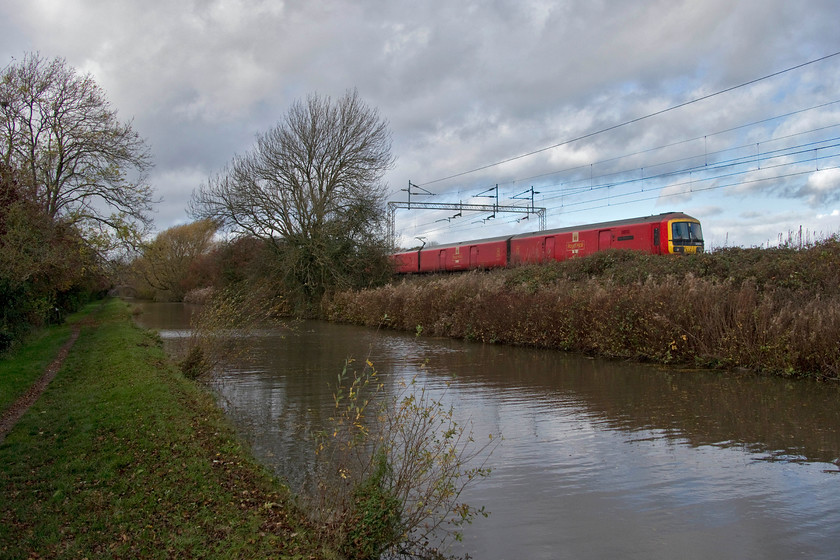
685, 236
668, 233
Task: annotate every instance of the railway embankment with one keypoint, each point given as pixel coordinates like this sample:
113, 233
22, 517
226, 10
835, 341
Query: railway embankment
772, 311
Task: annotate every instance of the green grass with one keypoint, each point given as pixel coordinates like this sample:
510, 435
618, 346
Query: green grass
122, 457
21, 368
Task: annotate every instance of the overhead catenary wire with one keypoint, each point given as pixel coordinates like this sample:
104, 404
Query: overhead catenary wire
617, 194
686, 141
567, 188
709, 188
616, 200
726, 175
631, 121
649, 181
669, 195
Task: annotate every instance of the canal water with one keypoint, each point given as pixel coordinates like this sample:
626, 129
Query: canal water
599, 459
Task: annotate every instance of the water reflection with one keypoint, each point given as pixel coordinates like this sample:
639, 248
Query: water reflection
794, 419
600, 459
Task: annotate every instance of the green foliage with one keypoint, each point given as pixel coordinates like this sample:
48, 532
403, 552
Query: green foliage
65, 200
45, 269
392, 465
349, 252
374, 523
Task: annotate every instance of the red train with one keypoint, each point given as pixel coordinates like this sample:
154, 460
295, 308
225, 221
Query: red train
669, 233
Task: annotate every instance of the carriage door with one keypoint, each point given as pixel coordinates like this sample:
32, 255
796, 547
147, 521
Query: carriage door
604, 239
549, 248
442, 260
473, 257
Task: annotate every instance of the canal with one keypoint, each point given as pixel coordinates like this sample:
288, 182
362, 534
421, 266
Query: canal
599, 459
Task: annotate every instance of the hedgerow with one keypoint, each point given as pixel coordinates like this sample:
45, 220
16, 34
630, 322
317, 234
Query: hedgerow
773, 311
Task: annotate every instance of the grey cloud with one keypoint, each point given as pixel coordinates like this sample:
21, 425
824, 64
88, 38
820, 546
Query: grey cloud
463, 84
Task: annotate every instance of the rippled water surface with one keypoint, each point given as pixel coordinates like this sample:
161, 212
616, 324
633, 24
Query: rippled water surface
599, 459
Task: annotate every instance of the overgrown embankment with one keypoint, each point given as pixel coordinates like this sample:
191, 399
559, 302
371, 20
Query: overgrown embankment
773, 311
122, 457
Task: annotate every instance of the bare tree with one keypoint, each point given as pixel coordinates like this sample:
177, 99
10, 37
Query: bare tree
86, 167
311, 186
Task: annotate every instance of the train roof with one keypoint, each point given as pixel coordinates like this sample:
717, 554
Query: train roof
470, 242
611, 224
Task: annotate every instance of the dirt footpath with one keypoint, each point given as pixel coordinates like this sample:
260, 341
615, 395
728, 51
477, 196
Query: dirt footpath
10, 416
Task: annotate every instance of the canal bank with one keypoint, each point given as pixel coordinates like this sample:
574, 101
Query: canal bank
123, 457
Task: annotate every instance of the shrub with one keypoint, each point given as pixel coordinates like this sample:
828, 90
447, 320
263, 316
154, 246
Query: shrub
225, 325
391, 469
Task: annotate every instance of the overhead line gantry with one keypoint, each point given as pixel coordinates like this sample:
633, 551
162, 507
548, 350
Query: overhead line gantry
460, 207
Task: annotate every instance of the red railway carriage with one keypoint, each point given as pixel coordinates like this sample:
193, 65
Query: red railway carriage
484, 253
406, 262
670, 233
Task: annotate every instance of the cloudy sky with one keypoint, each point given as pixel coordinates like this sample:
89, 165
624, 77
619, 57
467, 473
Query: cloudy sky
608, 109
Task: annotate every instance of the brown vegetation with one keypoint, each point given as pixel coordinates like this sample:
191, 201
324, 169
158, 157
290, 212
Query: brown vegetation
768, 310
391, 467
173, 263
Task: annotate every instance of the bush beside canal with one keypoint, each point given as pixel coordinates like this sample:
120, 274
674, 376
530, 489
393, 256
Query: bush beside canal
773, 311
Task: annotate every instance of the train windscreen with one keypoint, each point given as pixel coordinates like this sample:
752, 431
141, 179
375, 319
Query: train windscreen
686, 232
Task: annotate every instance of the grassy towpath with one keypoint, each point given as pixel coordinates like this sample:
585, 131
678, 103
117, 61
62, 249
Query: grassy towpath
10, 416
121, 457
23, 368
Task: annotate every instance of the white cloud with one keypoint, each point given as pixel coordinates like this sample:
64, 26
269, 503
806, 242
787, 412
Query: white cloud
822, 186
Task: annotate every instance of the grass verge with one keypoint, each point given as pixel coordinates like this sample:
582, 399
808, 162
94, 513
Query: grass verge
22, 368
122, 457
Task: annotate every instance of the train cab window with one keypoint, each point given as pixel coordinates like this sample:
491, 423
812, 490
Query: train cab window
686, 232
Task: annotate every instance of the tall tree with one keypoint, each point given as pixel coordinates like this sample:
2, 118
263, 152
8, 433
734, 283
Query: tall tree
44, 263
312, 187
167, 262
86, 166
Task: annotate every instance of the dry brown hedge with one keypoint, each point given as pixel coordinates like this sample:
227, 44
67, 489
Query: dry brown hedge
769, 310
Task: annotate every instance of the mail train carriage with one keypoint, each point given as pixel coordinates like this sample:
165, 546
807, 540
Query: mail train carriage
670, 233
